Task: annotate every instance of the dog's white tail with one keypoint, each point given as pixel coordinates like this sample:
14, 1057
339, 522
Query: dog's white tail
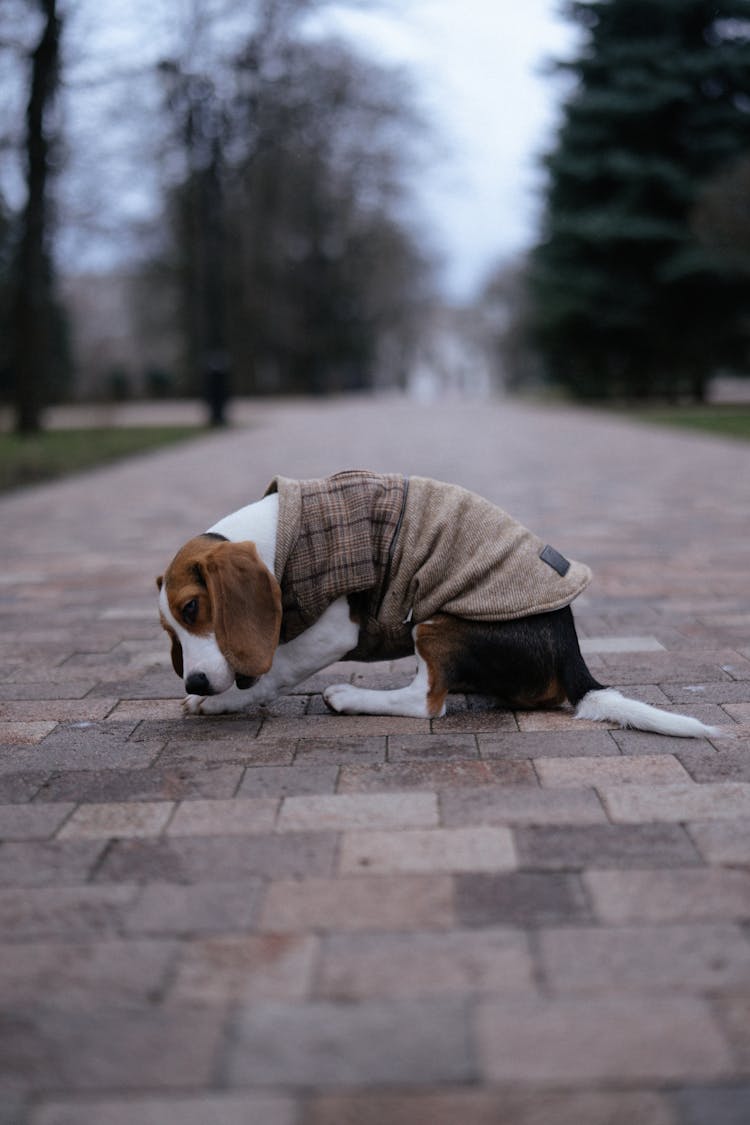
609, 705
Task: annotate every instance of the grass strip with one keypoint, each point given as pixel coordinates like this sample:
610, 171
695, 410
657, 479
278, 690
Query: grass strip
723, 421
56, 453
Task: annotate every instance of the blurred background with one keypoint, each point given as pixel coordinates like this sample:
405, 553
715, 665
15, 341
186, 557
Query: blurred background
220, 199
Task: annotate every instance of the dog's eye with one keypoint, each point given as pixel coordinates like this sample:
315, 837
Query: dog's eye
190, 611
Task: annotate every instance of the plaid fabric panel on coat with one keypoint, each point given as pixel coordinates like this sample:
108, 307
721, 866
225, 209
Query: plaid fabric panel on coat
347, 527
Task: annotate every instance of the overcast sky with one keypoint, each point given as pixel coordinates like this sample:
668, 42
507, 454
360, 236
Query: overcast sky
477, 67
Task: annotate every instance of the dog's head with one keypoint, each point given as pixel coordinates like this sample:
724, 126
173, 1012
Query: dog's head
222, 609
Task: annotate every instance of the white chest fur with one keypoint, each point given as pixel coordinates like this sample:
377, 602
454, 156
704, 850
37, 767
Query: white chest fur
257, 522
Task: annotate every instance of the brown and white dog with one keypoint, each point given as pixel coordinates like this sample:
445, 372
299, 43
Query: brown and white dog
243, 632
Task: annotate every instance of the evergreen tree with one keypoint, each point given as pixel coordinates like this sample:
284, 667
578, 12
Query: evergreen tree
629, 294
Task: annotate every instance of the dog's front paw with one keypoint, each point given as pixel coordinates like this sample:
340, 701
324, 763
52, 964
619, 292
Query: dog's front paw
343, 699
191, 704
206, 705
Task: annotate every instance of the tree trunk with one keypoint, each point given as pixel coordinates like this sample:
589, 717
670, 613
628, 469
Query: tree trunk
33, 270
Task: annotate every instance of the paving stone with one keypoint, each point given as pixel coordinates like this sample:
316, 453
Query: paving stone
711, 1105
650, 958
637, 804
723, 841
521, 805
358, 810
538, 744
138, 709
121, 819
407, 748
284, 781
40, 759
244, 969
650, 693
104, 1049
557, 721
224, 818
32, 822
635, 742
79, 736
85, 745
619, 846
733, 1010
334, 751
20, 787
327, 726
41, 863
520, 899
78, 974
194, 909
10, 690
159, 783
725, 691
239, 730
449, 1106
433, 775
480, 715
682, 894
578, 772
739, 667
154, 684
291, 707
668, 667
322, 1044
14, 1108
224, 858
601, 1039
355, 967
620, 644
740, 712
198, 1109
385, 902
425, 850
724, 764
56, 710
24, 733
67, 912
201, 752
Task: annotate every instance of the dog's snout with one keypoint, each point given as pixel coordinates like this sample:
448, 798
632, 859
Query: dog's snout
197, 683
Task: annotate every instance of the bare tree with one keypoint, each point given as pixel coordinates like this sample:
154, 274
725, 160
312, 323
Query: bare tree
32, 317
293, 255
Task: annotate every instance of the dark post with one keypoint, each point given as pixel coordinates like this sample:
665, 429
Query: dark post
216, 387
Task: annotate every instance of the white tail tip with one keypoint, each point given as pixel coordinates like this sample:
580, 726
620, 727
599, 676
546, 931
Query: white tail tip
608, 705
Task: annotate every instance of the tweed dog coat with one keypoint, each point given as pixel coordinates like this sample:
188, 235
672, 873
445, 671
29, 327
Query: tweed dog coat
403, 549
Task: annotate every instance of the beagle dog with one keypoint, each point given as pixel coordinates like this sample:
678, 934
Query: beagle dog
370, 567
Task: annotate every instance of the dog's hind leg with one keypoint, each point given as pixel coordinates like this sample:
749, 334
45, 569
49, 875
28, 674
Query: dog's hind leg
423, 698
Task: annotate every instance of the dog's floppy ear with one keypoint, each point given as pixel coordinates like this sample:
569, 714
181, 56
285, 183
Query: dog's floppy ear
245, 606
176, 646
176, 654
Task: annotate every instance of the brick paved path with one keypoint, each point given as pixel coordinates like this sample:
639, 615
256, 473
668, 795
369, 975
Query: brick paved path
306, 919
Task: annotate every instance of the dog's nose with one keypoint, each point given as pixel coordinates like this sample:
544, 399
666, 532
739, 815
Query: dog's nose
245, 682
197, 684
